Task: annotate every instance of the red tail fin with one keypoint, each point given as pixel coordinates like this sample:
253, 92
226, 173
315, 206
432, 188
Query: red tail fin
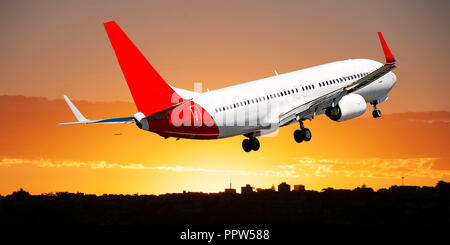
150, 92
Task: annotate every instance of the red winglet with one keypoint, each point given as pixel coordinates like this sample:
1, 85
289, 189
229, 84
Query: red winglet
390, 60
150, 92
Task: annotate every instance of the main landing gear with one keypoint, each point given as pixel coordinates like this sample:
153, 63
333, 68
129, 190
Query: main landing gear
375, 113
302, 134
249, 144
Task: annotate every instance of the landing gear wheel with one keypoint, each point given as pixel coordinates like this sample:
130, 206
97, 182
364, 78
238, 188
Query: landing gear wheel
298, 136
302, 135
246, 145
254, 143
376, 113
306, 134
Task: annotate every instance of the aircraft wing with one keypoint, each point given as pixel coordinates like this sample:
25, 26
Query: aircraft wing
309, 109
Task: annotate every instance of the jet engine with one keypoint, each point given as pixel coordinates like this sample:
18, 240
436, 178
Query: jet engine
350, 106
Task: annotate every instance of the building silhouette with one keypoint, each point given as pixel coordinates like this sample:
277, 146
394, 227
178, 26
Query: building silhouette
360, 206
268, 190
284, 188
230, 190
299, 188
247, 189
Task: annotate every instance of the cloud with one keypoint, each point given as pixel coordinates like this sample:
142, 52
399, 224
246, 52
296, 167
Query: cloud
368, 167
302, 167
46, 163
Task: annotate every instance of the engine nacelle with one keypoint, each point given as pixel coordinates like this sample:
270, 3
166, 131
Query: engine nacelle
350, 106
141, 121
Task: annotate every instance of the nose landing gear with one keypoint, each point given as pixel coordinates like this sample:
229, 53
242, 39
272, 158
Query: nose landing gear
375, 113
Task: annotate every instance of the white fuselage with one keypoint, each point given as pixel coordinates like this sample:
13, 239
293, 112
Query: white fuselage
247, 107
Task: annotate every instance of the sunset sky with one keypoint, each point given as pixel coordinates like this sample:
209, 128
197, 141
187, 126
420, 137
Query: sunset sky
51, 48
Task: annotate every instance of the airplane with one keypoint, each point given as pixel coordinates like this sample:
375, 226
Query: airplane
341, 90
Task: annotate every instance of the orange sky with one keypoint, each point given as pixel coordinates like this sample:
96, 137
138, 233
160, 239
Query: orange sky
40, 156
49, 48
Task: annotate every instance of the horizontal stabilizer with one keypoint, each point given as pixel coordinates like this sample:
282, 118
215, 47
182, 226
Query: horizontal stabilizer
75, 111
83, 120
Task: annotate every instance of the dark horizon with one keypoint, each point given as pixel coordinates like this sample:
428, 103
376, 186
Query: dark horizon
274, 188
361, 206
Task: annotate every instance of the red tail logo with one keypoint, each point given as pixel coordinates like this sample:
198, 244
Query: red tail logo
150, 92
